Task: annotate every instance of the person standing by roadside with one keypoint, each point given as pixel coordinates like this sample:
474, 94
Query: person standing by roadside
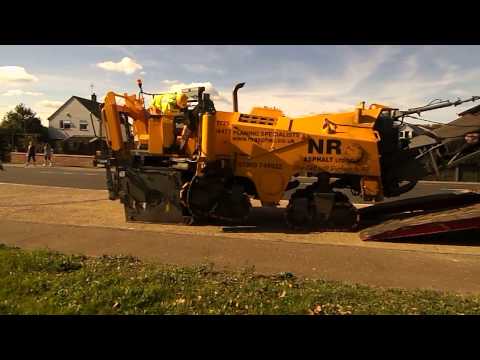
30, 154
47, 155
1, 155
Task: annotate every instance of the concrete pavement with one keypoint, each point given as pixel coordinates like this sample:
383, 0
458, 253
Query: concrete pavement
74, 177
372, 266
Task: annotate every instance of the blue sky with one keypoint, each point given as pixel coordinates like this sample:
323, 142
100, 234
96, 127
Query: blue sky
298, 79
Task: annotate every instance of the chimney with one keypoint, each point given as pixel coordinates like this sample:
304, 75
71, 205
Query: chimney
94, 97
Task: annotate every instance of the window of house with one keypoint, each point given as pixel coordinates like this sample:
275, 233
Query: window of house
83, 125
65, 124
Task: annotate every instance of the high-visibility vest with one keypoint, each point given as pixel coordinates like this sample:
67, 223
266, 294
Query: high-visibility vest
165, 102
169, 102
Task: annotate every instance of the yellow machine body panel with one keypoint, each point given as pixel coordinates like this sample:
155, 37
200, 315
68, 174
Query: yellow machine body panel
209, 145
270, 150
161, 132
223, 130
113, 128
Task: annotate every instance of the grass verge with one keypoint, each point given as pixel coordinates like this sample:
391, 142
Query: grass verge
41, 282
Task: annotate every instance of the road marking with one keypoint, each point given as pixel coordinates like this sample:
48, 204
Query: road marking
461, 183
458, 190
50, 186
362, 205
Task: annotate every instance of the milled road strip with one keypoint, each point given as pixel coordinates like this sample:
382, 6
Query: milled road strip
55, 167
91, 208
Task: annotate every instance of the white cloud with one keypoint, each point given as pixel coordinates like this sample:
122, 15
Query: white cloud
363, 76
409, 85
215, 95
293, 106
301, 104
412, 87
50, 104
357, 69
18, 92
15, 74
127, 66
201, 69
143, 73
459, 92
120, 48
323, 93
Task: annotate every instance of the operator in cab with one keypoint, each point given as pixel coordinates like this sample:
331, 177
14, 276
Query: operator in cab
175, 104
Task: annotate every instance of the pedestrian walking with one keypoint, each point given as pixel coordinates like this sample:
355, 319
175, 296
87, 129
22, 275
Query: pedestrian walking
1, 165
30, 154
47, 155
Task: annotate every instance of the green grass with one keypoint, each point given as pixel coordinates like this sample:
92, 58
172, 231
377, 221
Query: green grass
41, 282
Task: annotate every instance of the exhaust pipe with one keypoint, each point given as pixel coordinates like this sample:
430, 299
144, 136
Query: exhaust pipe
235, 97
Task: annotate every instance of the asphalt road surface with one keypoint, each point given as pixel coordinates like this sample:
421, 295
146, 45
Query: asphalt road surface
84, 178
81, 178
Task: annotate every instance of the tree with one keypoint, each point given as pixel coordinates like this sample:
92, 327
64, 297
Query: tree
24, 120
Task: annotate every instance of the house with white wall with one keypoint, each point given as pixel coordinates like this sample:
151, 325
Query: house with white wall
409, 131
75, 126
